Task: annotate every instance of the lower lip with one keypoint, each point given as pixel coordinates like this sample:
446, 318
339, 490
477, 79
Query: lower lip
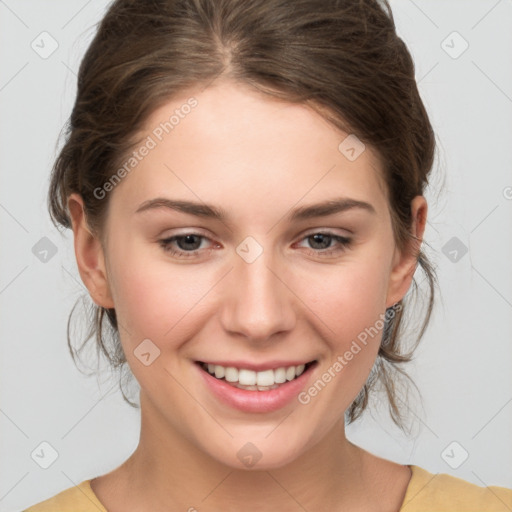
256, 401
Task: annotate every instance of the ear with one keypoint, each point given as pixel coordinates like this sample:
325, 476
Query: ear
404, 263
89, 255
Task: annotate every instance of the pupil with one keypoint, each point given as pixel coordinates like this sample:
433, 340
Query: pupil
324, 240
189, 239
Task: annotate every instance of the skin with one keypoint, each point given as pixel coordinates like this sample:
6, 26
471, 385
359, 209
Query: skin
257, 158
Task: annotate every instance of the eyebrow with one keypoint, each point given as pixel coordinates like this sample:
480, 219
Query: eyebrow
322, 209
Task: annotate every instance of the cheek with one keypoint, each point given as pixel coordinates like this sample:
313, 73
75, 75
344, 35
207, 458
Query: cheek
347, 298
350, 305
156, 299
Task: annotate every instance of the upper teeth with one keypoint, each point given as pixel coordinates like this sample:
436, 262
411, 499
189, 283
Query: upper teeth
249, 377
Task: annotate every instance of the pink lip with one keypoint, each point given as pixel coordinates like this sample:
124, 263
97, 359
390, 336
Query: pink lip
269, 365
256, 401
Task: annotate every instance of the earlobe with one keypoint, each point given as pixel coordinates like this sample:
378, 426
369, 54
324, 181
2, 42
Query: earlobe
405, 263
89, 254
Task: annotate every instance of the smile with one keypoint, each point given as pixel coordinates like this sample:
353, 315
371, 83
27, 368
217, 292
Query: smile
251, 380
269, 389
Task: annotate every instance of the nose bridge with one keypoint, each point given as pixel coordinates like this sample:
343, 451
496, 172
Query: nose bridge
260, 304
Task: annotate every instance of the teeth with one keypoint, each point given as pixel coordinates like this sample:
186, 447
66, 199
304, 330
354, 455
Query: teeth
266, 378
247, 377
248, 388
219, 371
231, 374
251, 380
280, 375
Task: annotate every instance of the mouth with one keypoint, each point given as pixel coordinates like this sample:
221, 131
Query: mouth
252, 380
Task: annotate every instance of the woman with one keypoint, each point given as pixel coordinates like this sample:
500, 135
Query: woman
244, 181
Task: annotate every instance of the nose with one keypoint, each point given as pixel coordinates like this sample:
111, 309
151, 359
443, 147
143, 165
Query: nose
258, 302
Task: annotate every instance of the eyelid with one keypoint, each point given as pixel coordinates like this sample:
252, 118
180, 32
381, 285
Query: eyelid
189, 230
332, 234
327, 231
201, 232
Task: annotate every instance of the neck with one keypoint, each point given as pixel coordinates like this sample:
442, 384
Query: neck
168, 471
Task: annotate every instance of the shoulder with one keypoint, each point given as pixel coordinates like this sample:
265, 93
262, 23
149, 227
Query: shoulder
79, 498
437, 491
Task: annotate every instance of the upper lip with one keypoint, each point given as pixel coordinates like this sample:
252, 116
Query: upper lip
259, 367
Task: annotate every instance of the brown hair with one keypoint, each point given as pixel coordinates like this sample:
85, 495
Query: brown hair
342, 57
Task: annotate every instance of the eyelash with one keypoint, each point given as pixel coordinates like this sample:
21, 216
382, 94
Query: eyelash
344, 243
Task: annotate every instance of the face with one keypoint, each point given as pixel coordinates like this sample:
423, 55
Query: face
273, 250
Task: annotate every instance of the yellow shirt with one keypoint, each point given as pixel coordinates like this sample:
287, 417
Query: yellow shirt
426, 492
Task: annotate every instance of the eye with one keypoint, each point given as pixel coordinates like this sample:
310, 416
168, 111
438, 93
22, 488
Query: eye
322, 243
188, 245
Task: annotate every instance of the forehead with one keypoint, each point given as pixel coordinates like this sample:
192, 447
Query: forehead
232, 143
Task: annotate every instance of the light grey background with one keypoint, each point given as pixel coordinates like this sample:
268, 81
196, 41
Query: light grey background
463, 366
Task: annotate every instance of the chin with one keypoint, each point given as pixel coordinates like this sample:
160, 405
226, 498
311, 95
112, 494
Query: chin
261, 453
